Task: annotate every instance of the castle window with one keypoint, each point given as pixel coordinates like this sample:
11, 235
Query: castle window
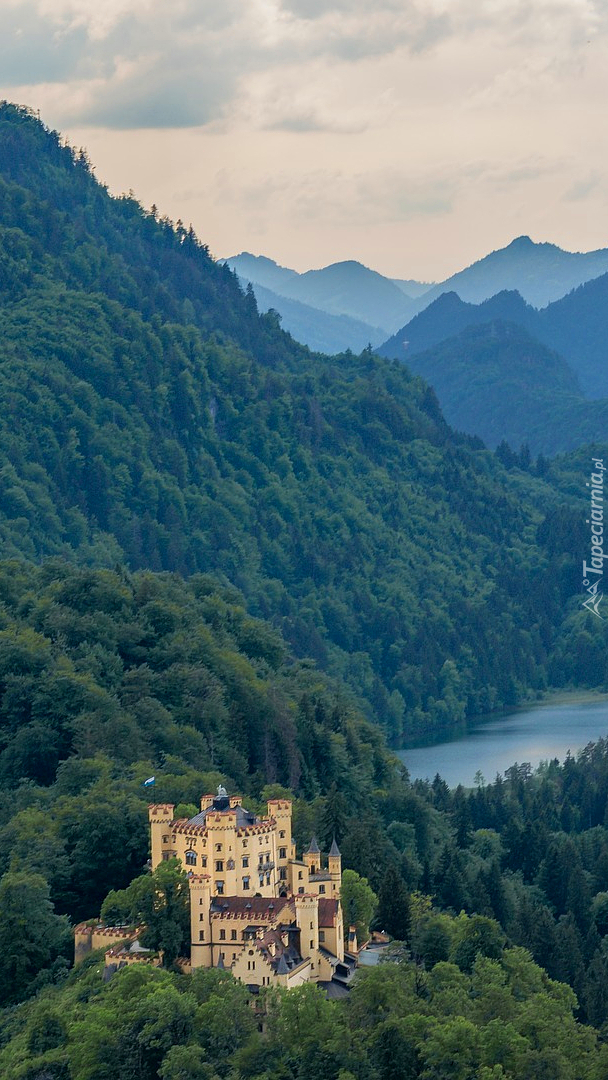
166, 839
218, 847
268, 857
321, 888
282, 834
321, 935
244, 843
245, 882
222, 935
245, 862
283, 873
202, 918
299, 875
268, 879
204, 860
234, 956
219, 866
201, 935
301, 889
233, 935
219, 888
261, 879
191, 858
166, 856
282, 853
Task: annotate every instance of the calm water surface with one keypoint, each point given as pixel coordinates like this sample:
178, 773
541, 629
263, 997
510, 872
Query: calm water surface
534, 735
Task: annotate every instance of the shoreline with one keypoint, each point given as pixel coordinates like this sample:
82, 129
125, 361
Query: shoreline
465, 728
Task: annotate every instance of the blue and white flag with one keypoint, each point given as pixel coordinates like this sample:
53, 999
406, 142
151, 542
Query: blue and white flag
149, 781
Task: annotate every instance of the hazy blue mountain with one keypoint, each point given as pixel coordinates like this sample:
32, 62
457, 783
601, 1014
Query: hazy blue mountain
576, 326
411, 287
318, 329
262, 271
344, 288
449, 315
540, 272
349, 288
498, 382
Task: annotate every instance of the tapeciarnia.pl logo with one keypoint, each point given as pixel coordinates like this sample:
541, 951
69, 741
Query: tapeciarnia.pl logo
594, 571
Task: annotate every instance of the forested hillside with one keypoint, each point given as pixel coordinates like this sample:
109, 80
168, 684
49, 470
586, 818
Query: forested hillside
152, 418
198, 516
498, 382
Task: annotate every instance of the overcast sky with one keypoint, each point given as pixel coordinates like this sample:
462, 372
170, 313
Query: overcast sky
415, 137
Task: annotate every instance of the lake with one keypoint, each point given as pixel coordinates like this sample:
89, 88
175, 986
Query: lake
534, 734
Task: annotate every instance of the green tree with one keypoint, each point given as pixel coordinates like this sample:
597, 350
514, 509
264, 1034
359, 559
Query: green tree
32, 936
393, 914
359, 903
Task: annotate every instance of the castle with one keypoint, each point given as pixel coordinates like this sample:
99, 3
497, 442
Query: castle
255, 908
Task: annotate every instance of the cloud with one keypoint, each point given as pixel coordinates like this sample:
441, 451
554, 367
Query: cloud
380, 197
156, 63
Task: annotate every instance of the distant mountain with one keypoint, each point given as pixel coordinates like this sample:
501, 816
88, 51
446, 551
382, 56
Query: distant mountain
320, 331
540, 272
350, 288
498, 382
345, 288
412, 288
262, 271
449, 315
576, 326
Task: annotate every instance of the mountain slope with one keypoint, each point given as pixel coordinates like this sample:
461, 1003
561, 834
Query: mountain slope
315, 328
448, 315
497, 382
152, 416
576, 326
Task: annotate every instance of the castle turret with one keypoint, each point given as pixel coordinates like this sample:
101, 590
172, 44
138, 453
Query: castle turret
160, 816
334, 865
312, 857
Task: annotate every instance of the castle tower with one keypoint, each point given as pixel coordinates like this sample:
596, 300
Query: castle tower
334, 865
160, 816
280, 810
201, 954
307, 920
312, 857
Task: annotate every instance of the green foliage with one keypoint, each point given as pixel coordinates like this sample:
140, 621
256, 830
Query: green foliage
359, 903
160, 902
32, 936
186, 433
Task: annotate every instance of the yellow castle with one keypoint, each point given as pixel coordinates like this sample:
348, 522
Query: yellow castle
255, 908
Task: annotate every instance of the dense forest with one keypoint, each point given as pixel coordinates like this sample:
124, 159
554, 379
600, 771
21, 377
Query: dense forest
153, 419
498, 896
227, 559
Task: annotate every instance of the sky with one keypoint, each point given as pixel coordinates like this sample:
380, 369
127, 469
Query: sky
414, 136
